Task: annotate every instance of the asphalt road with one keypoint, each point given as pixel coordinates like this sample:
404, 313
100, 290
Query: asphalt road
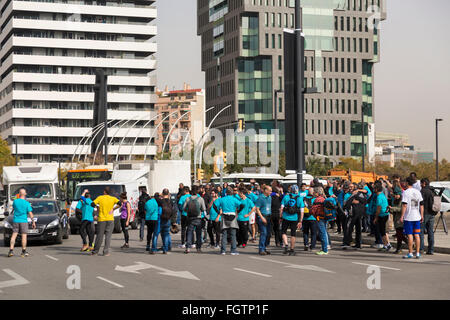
340, 275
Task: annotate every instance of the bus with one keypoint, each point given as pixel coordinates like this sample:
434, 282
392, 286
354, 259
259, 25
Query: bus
74, 177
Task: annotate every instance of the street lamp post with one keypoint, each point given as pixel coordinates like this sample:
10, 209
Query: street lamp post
299, 92
363, 156
437, 148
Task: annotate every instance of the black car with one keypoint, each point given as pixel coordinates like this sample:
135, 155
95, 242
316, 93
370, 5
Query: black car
51, 223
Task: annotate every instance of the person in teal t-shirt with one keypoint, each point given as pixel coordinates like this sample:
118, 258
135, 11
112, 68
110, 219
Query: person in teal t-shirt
21, 210
214, 227
87, 221
292, 209
244, 217
184, 219
381, 216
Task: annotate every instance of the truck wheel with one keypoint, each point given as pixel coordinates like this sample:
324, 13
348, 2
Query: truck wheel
117, 226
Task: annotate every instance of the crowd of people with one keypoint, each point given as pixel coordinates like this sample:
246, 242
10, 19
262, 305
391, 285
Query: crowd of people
237, 214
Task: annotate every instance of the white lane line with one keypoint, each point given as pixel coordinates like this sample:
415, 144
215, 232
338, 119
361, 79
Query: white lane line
296, 266
255, 273
274, 261
52, 258
369, 264
110, 282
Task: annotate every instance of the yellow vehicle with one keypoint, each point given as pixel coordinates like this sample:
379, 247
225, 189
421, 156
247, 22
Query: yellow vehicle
354, 176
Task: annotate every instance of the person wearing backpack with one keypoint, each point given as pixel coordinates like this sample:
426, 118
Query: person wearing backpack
244, 217
318, 211
143, 198
195, 207
428, 216
275, 218
291, 210
184, 219
168, 219
309, 223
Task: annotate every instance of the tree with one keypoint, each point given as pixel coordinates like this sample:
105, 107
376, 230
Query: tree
6, 159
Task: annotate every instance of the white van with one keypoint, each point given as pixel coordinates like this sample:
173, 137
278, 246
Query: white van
39, 180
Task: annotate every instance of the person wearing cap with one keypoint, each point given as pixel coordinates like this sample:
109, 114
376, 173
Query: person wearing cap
292, 208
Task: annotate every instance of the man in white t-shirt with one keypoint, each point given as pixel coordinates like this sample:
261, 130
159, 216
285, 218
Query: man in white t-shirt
412, 216
416, 184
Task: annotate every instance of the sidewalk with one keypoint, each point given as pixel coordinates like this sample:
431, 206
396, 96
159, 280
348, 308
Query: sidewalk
441, 239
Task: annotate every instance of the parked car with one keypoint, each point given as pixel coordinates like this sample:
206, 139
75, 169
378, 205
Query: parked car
51, 223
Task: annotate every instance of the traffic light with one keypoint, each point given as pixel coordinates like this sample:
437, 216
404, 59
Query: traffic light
200, 174
241, 125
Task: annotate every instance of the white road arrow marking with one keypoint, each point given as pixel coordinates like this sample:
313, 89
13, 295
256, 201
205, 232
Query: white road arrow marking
110, 282
142, 266
368, 264
253, 272
18, 280
296, 266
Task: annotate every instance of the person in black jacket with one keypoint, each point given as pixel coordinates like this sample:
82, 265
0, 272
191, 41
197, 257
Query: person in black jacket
356, 204
428, 216
168, 219
143, 198
277, 197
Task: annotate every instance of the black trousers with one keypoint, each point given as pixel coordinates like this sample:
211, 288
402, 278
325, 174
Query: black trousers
242, 236
123, 224
151, 228
214, 230
354, 223
276, 231
341, 220
184, 225
87, 230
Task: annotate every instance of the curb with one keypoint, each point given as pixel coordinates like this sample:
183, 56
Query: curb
369, 241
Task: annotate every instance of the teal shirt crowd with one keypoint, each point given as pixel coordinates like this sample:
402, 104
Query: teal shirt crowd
285, 203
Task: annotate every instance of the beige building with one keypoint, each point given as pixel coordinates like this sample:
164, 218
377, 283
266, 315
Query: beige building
181, 119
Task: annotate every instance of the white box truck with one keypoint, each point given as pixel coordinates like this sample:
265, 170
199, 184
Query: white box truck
39, 180
168, 174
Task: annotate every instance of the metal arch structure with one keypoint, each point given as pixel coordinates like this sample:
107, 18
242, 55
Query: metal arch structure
94, 133
154, 131
112, 138
202, 143
125, 136
145, 125
84, 137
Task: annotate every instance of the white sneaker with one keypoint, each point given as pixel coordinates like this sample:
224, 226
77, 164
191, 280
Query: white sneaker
193, 246
379, 246
217, 247
235, 253
182, 246
329, 247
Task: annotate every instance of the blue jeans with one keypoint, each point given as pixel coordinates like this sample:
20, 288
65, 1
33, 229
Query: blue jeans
141, 228
375, 230
178, 217
156, 234
194, 225
264, 230
428, 224
165, 235
225, 239
322, 224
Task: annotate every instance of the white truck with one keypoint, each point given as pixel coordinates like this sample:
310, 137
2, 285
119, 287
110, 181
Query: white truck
39, 180
445, 199
131, 177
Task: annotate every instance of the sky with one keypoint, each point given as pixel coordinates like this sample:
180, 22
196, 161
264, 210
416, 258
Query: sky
412, 79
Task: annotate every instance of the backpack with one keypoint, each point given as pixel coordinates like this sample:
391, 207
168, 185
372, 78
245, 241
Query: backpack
318, 209
291, 207
193, 208
330, 210
141, 204
437, 205
167, 209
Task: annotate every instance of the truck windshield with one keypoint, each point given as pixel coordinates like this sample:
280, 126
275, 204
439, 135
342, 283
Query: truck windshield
34, 191
97, 190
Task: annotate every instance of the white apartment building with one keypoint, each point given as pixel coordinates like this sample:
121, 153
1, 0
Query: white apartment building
50, 50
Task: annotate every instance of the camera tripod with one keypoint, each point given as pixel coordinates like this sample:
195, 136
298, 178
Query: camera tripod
441, 218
